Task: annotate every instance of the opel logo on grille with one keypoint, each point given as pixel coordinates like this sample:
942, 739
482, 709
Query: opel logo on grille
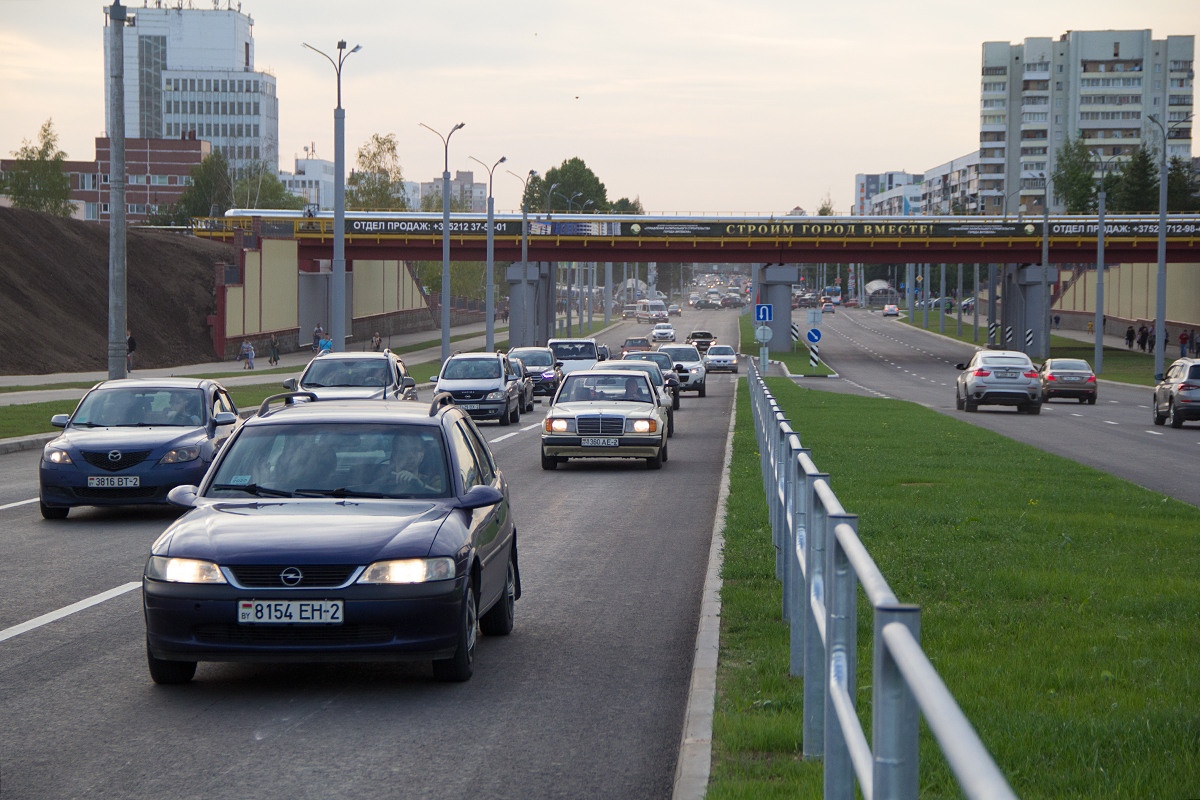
291, 576
114, 455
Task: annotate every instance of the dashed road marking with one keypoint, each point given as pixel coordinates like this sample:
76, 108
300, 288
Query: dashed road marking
66, 611
1155, 433
18, 503
1110, 422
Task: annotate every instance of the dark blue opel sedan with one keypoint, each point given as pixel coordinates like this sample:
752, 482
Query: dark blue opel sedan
132, 441
347, 530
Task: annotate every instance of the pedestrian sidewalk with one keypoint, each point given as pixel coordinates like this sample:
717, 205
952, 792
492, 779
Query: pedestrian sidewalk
1109, 340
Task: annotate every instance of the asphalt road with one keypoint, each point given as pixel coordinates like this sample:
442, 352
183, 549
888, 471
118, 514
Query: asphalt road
883, 357
585, 699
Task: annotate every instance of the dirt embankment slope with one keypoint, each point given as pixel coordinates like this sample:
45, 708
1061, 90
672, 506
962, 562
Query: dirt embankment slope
54, 295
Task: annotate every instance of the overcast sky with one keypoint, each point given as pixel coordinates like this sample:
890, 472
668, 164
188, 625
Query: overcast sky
754, 106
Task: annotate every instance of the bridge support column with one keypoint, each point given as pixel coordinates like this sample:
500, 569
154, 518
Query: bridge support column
1025, 307
522, 306
776, 285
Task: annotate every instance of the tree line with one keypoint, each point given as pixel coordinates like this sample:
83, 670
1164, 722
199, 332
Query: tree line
1131, 188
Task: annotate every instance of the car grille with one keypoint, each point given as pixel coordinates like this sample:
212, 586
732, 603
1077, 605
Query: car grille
233, 633
469, 394
599, 426
315, 575
118, 493
126, 460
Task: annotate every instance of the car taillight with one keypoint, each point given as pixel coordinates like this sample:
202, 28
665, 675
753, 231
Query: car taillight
1030, 374
1091, 379
981, 373
1188, 387
1050, 376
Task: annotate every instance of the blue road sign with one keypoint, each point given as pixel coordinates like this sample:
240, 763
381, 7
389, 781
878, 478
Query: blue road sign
813, 335
762, 312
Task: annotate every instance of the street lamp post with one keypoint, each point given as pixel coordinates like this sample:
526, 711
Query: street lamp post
1160, 331
524, 340
1045, 326
337, 314
1098, 355
489, 295
445, 237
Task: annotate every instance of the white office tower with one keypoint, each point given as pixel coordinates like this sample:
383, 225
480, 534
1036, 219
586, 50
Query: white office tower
189, 73
1102, 86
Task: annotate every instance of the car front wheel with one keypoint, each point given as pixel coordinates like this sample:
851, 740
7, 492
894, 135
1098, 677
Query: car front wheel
54, 512
703, 389
498, 621
461, 665
168, 673
549, 462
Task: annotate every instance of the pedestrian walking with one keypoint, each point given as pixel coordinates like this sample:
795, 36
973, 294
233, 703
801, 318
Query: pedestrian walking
247, 354
1143, 334
376, 342
1183, 344
1056, 322
130, 346
1130, 335
1153, 338
318, 332
274, 359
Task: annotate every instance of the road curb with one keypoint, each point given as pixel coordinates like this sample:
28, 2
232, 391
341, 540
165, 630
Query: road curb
19, 443
695, 750
789, 374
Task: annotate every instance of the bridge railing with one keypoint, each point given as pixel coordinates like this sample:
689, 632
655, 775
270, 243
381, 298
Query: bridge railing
821, 561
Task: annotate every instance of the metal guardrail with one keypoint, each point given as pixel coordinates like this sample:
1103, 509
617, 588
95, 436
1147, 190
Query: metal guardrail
819, 558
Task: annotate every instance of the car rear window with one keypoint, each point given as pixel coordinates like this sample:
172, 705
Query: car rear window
1071, 364
1007, 361
1194, 372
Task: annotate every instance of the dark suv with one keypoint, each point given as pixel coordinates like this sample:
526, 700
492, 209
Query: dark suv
1177, 396
544, 369
702, 340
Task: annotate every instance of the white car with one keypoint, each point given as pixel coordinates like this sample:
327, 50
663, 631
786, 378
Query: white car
891, 310
689, 366
998, 378
720, 357
575, 354
663, 332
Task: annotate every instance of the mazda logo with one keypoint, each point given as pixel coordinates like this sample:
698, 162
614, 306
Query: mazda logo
291, 576
114, 455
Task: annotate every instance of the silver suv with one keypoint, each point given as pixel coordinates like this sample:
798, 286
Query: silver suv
998, 378
356, 376
1177, 396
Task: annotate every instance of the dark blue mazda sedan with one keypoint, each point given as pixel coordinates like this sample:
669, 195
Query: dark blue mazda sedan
337, 531
132, 441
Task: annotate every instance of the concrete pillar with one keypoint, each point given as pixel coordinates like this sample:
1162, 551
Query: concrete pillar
777, 284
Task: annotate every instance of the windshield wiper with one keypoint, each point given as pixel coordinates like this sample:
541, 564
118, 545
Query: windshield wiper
253, 488
342, 492
311, 385
136, 425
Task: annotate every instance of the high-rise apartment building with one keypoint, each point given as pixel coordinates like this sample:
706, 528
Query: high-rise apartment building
867, 186
1103, 86
951, 188
464, 190
189, 74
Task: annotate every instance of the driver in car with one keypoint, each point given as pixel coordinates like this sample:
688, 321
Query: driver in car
634, 391
409, 474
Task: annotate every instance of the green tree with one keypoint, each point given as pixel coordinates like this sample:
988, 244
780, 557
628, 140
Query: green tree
1137, 189
377, 181
211, 190
433, 202
1072, 177
257, 186
826, 207
36, 181
1183, 187
573, 177
627, 206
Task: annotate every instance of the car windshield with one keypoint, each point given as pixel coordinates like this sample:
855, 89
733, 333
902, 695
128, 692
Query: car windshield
649, 368
609, 388
662, 359
657, 305
1002, 361
663, 326
346, 372
1069, 364
701, 335
720, 350
681, 353
334, 460
471, 369
140, 407
636, 343
574, 351
534, 358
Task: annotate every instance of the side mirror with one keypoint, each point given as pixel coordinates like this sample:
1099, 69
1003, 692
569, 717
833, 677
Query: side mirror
183, 495
601, 357
60, 420
434, 379
558, 364
672, 383
960, 366
680, 368
224, 418
479, 497
290, 384
407, 383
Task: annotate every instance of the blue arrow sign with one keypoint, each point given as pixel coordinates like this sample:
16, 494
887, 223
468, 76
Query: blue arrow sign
813, 335
762, 312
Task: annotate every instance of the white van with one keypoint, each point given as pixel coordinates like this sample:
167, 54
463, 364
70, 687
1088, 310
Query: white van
574, 353
651, 311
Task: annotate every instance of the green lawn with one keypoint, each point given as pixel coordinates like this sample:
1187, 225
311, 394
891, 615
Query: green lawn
30, 418
1058, 604
1127, 366
797, 362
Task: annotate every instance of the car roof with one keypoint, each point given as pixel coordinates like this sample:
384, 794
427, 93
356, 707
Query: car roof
345, 411
476, 355
157, 383
351, 355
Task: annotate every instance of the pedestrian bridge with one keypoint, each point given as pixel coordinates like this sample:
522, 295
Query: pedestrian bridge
718, 239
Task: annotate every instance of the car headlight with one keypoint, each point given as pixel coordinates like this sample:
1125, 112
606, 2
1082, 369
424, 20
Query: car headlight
180, 454
696, 371
547, 376
495, 396
409, 570
55, 456
645, 425
557, 425
183, 570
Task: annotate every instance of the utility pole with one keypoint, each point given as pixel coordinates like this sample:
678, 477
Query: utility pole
116, 194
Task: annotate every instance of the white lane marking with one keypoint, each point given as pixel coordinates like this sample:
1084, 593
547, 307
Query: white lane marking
1114, 401
1155, 433
502, 438
1077, 415
1110, 422
1138, 406
531, 427
66, 611
19, 503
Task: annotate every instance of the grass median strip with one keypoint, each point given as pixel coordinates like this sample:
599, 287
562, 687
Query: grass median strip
797, 362
1126, 366
1058, 604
